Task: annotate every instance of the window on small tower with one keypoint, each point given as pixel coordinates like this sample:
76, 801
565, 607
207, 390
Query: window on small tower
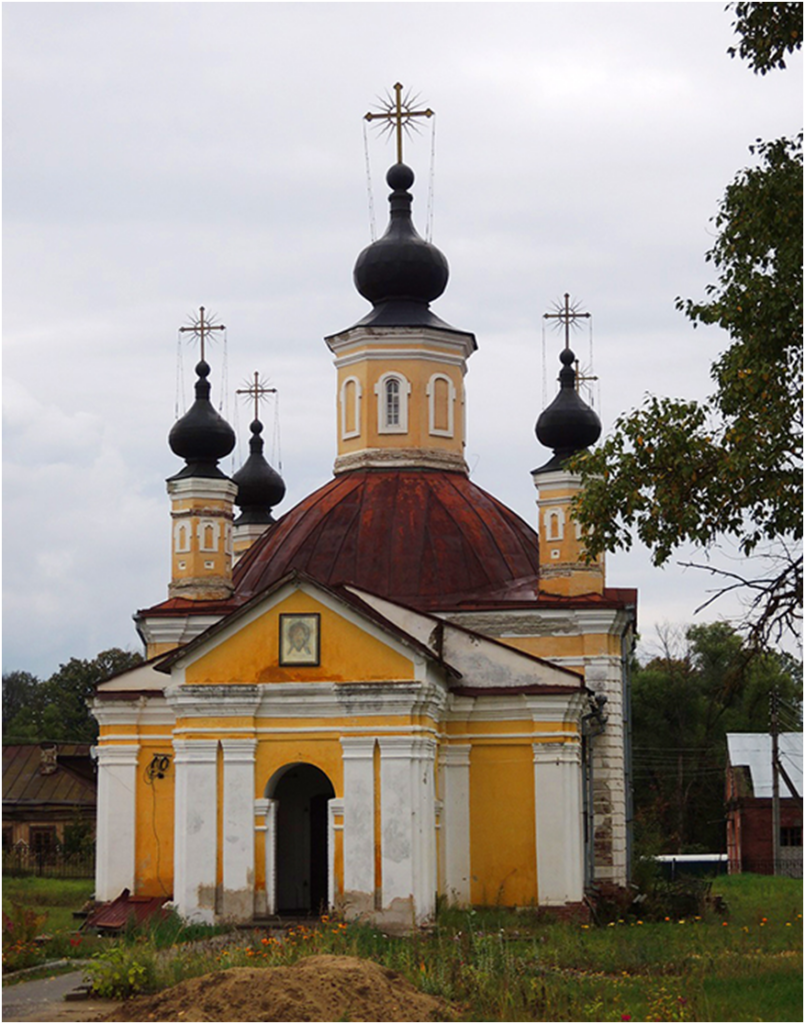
392, 402
392, 392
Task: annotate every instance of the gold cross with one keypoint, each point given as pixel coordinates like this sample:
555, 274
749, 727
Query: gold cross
567, 314
398, 110
256, 391
201, 328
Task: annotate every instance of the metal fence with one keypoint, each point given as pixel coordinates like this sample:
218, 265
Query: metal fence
48, 863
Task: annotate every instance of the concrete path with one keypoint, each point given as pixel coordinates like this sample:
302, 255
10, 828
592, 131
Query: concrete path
44, 1001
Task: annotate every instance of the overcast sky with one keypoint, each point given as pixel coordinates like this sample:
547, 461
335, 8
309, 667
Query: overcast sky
162, 156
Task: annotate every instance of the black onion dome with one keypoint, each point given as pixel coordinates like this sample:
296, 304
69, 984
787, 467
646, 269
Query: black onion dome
260, 487
568, 425
201, 437
401, 273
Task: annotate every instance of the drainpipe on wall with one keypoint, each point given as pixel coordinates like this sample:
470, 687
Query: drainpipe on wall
592, 725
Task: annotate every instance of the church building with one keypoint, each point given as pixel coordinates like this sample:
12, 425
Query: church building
398, 691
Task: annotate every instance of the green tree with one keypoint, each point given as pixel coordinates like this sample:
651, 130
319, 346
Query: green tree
768, 32
704, 684
59, 709
19, 691
676, 471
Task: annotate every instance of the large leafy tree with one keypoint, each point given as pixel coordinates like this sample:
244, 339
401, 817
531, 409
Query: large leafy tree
56, 709
676, 471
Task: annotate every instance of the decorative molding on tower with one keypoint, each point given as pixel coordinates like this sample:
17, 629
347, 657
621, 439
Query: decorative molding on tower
398, 458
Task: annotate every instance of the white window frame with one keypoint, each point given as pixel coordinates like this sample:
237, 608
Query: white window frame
182, 534
346, 432
451, 402
554, 524
383, 426
203, 526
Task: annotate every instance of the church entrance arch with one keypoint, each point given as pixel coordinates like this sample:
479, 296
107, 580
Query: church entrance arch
300, 794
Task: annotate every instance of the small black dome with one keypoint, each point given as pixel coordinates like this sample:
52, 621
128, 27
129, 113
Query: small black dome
401, 266
260, 487
568, 425
201, 437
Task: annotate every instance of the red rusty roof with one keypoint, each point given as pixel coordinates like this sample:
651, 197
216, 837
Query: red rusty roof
425, 537
117, 913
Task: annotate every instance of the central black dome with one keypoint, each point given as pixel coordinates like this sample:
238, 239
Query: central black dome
401, 266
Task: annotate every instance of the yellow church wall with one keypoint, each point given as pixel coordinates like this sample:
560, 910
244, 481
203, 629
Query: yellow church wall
501, 731
347, 652
502, 832
579, 646
154, 809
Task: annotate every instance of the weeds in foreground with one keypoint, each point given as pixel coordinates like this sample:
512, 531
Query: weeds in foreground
506, 966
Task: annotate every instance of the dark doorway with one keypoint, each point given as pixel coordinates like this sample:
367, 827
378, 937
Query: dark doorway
302, 861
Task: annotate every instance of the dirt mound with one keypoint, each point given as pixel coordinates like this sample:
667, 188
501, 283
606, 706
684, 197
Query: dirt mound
329, 988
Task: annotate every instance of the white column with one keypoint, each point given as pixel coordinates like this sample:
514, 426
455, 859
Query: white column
269, 809
196, 831
559, 825
455, 768
237, 898
359, 820
335, 809
117, 781
424, 789
408, 814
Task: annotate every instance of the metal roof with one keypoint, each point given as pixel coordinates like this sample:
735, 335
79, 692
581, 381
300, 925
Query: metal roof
427, 537
753, 749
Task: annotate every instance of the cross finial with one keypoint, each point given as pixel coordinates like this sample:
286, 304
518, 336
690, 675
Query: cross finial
201, 328
258, 390
567, 314
398, 114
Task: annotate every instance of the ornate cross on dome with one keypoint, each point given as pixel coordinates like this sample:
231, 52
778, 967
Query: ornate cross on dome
398, 110
256, 391
568, 315
201, 328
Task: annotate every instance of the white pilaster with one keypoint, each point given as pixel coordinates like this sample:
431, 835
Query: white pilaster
408, 814
196, 832
335, 809
559, 825
359, 816
455, 830
237, 898
268, 808
117, 780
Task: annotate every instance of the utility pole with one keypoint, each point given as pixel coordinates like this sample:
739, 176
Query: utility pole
775, 783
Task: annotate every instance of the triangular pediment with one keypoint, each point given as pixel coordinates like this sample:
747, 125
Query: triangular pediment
300, 631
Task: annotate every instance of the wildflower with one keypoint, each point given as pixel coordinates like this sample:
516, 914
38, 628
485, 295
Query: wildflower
611, 924
724, 924
75, 940
626, 1016
788, 924
639, 922
264, 941
682, 921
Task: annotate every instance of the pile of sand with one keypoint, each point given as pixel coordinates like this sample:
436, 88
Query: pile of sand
322, 988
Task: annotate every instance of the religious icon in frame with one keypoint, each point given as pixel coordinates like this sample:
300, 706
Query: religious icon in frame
299, 639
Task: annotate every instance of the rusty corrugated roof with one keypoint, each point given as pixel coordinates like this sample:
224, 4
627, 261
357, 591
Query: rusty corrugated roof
419, 536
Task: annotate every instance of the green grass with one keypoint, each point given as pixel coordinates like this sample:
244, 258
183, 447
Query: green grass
742, 963
35, 907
